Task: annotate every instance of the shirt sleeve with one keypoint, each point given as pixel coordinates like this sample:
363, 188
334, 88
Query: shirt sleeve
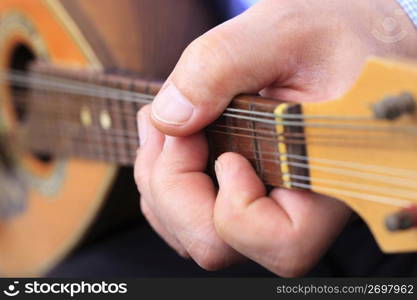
235, 7
410, 7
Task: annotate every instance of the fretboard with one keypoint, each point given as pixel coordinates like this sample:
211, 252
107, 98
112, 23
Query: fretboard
93, 116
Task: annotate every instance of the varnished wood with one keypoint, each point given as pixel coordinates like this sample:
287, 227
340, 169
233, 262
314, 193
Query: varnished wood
32, 242
386, 149
135, 36
93, 35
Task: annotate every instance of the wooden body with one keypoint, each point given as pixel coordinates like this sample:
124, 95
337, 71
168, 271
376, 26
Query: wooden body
65, 194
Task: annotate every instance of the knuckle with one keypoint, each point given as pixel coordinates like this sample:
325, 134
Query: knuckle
210, 57
207, 50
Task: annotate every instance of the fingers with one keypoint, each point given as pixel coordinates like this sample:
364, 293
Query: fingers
151, 144
168, 237
178, 197
219, 65
185, 196
276, 231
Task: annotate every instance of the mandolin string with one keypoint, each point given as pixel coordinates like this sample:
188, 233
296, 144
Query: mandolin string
148, 97
398, 129
29, 79
134, 137
348, 164
133, 134
365, 198
262, 133
71, 86
114, 133
355, 193
404, 183
76, 113
273, 122
143, 96
359, 186
271, 133
385, 179
109, 93
274, 140
306, 166
311, 138
276, 157
23, 100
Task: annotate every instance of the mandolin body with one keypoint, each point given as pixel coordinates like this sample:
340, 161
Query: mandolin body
63, 195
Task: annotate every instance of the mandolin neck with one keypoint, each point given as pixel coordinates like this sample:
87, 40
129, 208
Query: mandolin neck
93, 115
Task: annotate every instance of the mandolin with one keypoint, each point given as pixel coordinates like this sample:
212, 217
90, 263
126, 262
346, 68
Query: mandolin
73, 75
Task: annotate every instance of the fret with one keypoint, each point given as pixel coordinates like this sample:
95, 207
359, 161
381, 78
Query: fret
296, 133
244, 144
64, 107
116, 129
122, 110
131, 125
85, 118
51, 106
255, 144
268, 146
231, 134
116, 139
86, 105
70, 115
111, 132
98, 104
230, 124
114, 133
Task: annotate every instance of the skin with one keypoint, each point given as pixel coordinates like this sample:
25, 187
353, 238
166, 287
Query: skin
294, 50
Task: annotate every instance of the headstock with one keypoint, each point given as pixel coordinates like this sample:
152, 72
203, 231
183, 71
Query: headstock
362, 149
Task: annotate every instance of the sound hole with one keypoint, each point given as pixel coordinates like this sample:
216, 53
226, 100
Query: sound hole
21, 57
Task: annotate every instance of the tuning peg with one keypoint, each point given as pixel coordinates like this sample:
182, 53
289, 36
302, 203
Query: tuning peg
392, 107
402, 220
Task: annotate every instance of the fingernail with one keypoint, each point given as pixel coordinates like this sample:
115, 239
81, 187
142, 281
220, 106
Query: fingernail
142, 129
217, 169
171, 107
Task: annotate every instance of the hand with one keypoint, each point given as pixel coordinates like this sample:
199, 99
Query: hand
294, 50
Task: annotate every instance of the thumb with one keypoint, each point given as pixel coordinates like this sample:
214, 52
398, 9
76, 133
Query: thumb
235, 57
